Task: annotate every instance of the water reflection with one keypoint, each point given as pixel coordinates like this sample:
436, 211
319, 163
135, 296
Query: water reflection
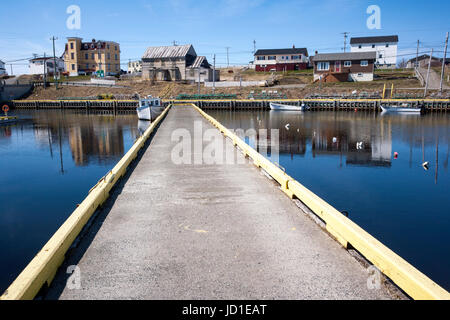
363, 139
49, 161
372, 167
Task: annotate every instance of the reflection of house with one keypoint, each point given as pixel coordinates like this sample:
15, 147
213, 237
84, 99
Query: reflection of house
384, 46
281, 59
336, 67
103, 143
173, 63
46, 65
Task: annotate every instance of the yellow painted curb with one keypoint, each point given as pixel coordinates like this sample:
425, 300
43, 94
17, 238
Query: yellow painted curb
417, 285
42, 269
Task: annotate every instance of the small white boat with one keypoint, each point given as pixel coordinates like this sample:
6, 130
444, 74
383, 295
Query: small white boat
284, 107
149, 108
400, 109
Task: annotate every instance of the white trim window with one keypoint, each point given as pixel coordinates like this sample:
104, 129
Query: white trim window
347, 64
271, 57
323, 66
364, 63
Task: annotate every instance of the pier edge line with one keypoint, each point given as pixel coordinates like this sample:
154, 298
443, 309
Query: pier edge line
416, 284
43, 267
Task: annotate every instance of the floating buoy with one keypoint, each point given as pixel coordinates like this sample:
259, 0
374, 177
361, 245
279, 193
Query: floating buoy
395, 155
425, 165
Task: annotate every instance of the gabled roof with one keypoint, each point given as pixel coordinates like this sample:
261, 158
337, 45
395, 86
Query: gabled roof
345, 56
266, 52
199, 60
379, 39
168, 52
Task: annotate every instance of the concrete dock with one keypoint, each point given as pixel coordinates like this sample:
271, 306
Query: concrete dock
221, 231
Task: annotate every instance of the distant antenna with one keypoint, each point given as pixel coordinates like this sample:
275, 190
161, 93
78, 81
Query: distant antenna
175, 43
254, 47
228, 57
345, 39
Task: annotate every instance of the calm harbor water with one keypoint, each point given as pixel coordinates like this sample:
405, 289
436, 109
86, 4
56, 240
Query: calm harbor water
48, 162
51, 159
348, 159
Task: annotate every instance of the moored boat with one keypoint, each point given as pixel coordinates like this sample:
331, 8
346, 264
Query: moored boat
7, 119
284, 107
401, 109
149, 108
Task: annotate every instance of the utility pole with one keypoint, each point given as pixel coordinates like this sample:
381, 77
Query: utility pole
254, 47
198, 70
428, 74
443, 63
345, 40
214, 74
417, 54
45, 71
228, 57
174, 42
55, 67
11, 69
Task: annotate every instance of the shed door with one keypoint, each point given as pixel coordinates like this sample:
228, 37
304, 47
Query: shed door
337, 66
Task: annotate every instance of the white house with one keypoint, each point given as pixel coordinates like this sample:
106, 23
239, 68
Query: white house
2, 68
385, 47
135, 66
37, 65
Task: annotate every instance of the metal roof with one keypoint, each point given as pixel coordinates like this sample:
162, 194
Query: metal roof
265, 52
360, 40
198, 62
167, 52
345, 56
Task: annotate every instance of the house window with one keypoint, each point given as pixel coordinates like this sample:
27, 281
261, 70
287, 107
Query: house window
115, 48
71, 45
380, 55
321, 66
347, 64
99, 55
295, 57
86, 56
364, 63
73, 67
271, 58
72, 55
373, 46
117, 67
109, 56
87, 65
261, 58
115, 56
287, 57
387, 45
360, 74
107, 46
359, 46
93, 56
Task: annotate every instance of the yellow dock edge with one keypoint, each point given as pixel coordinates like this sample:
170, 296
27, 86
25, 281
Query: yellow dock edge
417, 285
42, 269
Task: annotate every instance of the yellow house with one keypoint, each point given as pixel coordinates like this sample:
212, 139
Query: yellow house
83, 58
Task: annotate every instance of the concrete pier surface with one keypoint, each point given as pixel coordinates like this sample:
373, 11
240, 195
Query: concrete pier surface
221, 231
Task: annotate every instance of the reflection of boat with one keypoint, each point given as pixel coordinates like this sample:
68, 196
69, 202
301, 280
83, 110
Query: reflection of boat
401, 109
285, 107
7, 120
142, 126
149, 108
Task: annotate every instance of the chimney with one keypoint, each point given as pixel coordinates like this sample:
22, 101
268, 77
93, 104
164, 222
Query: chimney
293, 46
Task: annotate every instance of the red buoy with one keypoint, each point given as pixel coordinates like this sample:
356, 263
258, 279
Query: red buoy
395, 155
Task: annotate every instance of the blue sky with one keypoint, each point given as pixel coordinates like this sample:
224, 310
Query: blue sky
211, 26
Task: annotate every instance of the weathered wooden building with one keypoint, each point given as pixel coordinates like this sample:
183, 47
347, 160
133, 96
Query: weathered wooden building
176, 63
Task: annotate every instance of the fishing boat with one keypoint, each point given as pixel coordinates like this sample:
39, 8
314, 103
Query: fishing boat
284, 107
149, 108
401, 109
